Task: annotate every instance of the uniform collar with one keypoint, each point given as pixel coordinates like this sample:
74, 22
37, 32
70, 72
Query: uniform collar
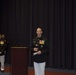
39, 37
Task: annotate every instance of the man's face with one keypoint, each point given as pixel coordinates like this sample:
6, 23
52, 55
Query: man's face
39, 31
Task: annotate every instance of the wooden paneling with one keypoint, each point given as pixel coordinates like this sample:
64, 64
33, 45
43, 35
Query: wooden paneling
19, 60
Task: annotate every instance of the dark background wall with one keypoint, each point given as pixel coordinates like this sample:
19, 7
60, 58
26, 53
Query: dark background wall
20, 18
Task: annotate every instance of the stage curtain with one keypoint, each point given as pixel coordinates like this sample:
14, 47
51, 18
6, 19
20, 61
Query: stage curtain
57, 18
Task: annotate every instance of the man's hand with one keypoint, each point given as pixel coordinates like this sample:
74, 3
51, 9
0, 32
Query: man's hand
39, 52
35, 49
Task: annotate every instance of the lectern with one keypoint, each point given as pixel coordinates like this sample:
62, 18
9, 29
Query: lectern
19, 60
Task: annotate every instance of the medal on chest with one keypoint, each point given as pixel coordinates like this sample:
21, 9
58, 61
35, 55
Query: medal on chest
41, 42
1, 42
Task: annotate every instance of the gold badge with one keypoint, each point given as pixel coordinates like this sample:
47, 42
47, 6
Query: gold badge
2, 42
41, 41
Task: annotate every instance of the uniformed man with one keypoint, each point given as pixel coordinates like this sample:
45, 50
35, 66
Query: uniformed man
2, 51
39, 48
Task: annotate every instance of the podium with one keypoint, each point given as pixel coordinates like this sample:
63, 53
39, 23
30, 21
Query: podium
19, 60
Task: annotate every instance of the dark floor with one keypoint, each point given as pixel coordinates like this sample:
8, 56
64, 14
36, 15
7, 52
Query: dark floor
4, 73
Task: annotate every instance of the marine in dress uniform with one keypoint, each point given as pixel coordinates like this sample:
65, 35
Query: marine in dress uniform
2, 51
39, 49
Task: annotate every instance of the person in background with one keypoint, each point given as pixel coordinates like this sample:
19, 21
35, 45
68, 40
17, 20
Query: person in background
3, 46
39, 50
